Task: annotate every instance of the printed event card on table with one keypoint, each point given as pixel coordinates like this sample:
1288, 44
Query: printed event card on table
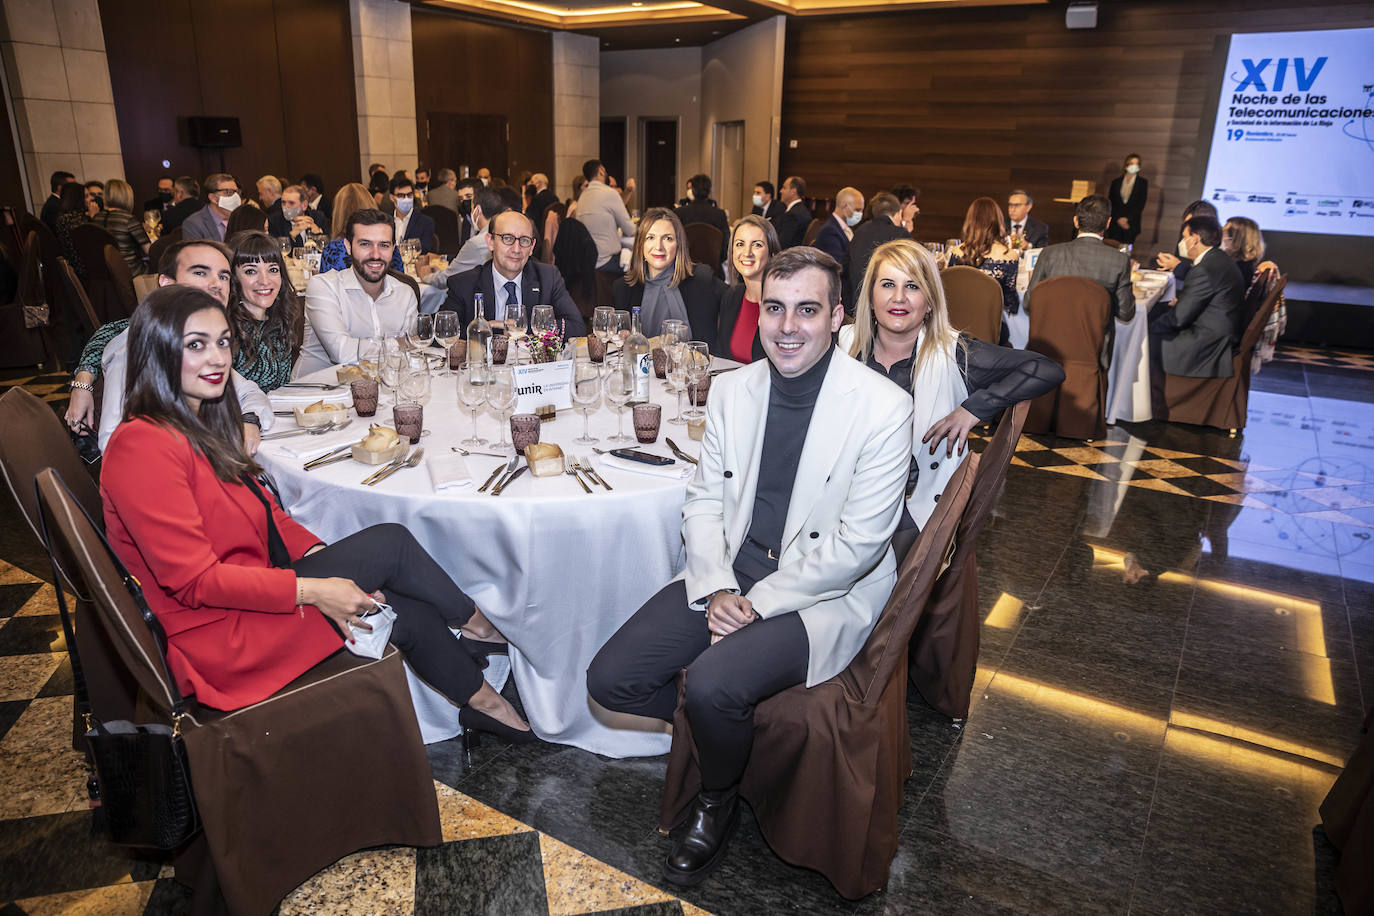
537, 384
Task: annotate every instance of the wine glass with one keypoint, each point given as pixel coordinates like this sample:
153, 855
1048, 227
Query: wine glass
672, 332
501, 396
391, 366
420, 331
619, 387
515, 329
541, 319
697, 357
586, 394
622, 324
603, 323
370, 357
415, 382
153, 220
472, 392
447, 331
679, 358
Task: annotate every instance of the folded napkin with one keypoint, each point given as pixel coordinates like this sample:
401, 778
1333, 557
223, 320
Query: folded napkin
287, 398
306, 447
448, 472
682, 470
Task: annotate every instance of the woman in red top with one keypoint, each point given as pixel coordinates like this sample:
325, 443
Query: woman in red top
249, 598
752, 243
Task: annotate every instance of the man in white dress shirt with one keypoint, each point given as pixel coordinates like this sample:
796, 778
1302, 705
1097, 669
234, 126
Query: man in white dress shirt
344, 308
602, 210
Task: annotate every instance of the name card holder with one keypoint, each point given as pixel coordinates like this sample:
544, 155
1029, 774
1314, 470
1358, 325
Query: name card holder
537, 384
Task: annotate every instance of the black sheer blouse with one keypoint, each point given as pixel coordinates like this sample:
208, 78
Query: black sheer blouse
996, 377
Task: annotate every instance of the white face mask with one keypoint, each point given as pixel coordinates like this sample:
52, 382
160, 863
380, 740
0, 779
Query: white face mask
486, 182
758, 200
690, 195
853, 219
290, 212
230, 201
404, 204
1183, 249
1132, 169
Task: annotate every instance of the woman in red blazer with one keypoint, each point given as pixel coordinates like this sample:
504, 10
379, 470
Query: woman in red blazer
249, 598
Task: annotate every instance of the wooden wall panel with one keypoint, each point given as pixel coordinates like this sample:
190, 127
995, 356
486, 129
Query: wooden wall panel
965, 103
284, 68
469, 67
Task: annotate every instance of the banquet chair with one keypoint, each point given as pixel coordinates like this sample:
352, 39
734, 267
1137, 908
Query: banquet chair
704, 243
48, 252
122, 280
829, 762
330, 764
163, 242
36, 439
813, 229
1224, 402
21, 345
1069, 317
446, 234
574, 254
89, 242
405, 278
75, 295
975, 302
1347, 815
944, 648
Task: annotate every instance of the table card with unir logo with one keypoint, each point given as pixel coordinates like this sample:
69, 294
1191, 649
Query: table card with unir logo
537, 384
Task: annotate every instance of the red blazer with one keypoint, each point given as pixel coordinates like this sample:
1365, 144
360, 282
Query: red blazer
199, 547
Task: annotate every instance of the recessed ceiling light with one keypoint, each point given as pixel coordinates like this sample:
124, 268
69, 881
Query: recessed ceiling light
637, 3
677, 41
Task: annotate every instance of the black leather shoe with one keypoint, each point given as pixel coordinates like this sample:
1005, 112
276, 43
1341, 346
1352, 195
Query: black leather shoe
474, 723
698, 851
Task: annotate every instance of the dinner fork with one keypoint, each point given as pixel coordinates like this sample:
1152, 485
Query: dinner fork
569, 469
591, 471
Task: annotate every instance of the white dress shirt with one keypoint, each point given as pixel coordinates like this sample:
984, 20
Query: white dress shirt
601, 209
844, 227
498, 283
114, 363
402, 221
340, 315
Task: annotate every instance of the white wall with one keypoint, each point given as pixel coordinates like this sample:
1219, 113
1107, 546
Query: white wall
658, 83
741, 80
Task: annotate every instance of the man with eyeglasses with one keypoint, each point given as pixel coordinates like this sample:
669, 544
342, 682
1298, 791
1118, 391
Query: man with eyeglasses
222, 198
513, 276
410, 222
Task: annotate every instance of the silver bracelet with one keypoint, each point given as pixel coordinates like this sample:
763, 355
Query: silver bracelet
83, 386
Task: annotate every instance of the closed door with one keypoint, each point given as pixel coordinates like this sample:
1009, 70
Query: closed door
613, 148
461, 141
659, 154
727, 168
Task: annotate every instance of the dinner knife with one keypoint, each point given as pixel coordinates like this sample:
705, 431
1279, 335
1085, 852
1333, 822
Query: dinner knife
507, 482
391, 465
510, 470
679, 452
339, 454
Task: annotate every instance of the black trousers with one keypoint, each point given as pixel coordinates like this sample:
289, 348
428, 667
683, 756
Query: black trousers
1159, 405
636, 669
387, 558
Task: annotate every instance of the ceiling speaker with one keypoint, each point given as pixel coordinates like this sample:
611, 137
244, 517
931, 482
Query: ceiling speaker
1081, 16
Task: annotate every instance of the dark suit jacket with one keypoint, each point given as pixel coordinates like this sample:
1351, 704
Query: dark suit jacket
700, 294
421, 227
538, 207
1036, 232
708, 213
867, 237
325, 211
540, 284
1200, 334
1132, 209
791, 225
177, 215
773, 212
155, 204
730, 300
832, 240
1088, 257
279, 227
51, 208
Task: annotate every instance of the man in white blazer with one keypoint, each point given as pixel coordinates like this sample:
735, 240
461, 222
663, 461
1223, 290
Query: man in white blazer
788, 524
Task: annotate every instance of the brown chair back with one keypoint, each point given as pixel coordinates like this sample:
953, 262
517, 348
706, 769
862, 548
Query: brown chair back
447, 238
944, 646
704, 243
813, 229
1068, 323
21, 345
975, 302
49, 251
407, 279
76, 294
163, 242
121, 280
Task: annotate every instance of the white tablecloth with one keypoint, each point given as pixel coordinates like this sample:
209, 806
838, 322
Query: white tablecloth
1128, 381
555, 569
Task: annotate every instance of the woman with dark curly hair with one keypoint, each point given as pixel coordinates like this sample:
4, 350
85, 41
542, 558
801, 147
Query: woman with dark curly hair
262, 311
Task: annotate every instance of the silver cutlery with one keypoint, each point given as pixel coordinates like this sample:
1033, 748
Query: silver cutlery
483, 487
412, 461
463, 451
569, 470
507, 482
322, 386
715, 372
679, 452
591, 472
509, 472
390, 465
310, 431
338, 454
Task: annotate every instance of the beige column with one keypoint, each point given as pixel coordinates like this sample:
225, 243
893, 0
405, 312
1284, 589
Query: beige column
576, 107
384, 73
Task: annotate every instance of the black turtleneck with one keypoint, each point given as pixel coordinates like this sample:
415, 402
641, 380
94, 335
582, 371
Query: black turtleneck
791, 402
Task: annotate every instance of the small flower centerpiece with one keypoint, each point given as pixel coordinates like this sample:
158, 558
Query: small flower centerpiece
546, 345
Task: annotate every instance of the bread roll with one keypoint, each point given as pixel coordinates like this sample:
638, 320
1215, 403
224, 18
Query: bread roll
380, 439
545, 459
321, 407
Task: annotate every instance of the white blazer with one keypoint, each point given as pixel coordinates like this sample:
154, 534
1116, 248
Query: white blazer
836, 569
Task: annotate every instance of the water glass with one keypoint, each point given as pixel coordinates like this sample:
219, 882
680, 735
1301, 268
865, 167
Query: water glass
647, 418
364, 391
524, 430
472, 392
501, 397
409, 420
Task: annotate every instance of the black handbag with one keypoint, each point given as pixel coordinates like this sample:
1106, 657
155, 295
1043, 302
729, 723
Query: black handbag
142, 783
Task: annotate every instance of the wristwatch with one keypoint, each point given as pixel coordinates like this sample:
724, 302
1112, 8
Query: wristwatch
251, 417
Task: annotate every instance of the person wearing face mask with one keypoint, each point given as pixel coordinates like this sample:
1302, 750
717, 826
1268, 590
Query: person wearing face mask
1179, 263
700, 208
222, 198
835, 235
293, 220
1127, 194
410, 222
664, 282
1197, 335
885, 226
185, 201
764, 204
165, 193
421, 179
484, 176
475, 251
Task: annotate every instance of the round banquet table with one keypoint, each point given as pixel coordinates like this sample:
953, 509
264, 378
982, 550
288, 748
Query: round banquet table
556, 569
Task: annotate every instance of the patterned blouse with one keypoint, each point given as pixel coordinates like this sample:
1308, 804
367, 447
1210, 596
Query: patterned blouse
335, 257
66, 222
269, 368
1004, 272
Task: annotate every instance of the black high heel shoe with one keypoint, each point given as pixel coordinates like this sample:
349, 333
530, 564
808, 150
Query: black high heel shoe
478, 647
475, 723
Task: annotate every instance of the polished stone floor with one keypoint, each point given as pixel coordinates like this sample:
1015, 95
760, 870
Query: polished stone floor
1177, 654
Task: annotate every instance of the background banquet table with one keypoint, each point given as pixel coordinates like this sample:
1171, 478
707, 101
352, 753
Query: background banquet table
555, 569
